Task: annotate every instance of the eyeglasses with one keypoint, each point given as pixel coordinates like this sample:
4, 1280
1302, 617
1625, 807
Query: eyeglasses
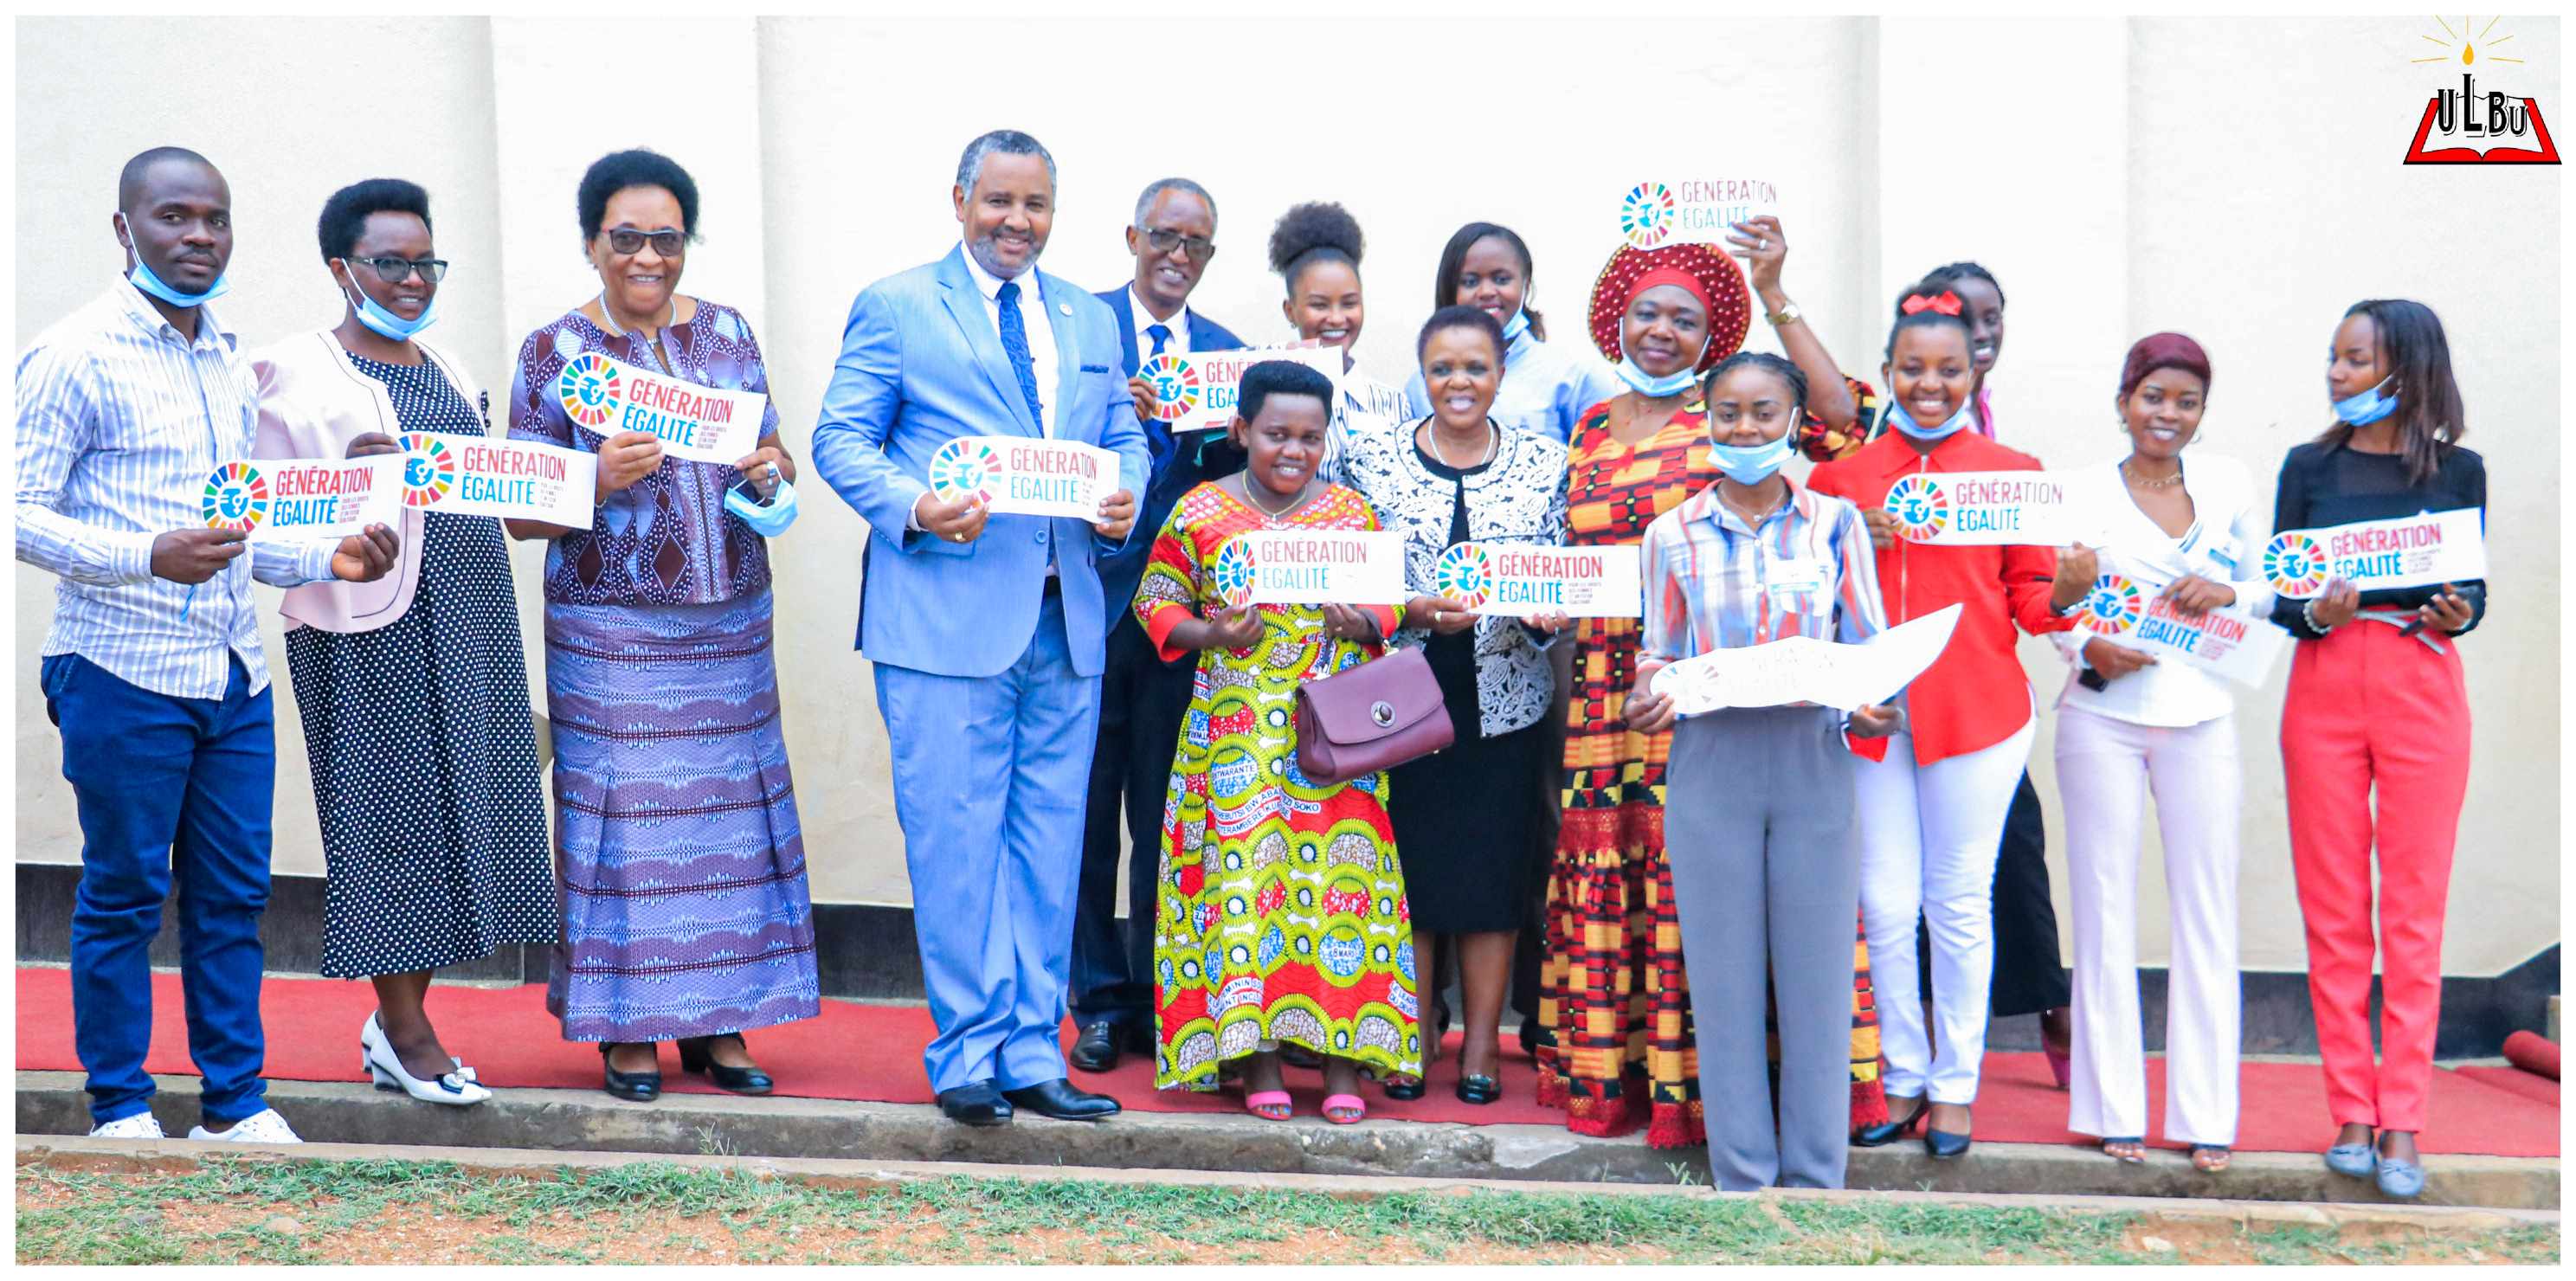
627, 240
394, 271
1198, 248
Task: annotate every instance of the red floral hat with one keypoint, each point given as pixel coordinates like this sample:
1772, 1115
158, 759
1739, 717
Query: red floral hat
1707, 271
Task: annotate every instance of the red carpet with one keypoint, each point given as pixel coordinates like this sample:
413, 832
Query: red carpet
873, 1052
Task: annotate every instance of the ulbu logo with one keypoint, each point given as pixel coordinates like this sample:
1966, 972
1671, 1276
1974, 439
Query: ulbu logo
2466, 126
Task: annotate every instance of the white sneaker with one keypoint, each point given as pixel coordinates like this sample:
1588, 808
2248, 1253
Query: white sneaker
141, 1125
266, 1126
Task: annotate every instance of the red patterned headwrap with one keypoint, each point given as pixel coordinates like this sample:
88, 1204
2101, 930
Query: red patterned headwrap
1706, 271
2163, 351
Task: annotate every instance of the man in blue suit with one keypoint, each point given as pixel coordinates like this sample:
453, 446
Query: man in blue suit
986, 629
1142, 698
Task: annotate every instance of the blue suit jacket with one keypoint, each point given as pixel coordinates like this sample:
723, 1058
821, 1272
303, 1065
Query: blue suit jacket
921, 365
1177, 469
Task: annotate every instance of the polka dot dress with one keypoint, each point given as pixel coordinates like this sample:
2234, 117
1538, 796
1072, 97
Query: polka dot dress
423, 751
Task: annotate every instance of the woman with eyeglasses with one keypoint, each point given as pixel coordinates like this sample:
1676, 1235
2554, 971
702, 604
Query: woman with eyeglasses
685, 908
412, 688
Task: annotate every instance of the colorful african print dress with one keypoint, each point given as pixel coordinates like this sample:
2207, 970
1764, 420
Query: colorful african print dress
1280, 910
1613, 994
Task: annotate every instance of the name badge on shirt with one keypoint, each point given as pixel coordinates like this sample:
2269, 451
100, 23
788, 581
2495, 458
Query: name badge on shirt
1797, 582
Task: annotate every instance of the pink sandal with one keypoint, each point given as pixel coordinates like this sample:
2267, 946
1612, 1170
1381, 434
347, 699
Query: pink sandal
1269, 1105
1345, 1109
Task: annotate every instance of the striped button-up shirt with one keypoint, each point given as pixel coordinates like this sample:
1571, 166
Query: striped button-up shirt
121, 420
1711, 583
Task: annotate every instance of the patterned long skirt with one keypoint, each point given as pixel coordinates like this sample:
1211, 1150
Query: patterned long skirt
685, 908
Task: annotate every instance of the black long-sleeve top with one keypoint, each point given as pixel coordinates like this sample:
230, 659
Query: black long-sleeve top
2326, 485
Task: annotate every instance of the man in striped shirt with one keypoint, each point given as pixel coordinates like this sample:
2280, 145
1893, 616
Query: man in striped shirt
152, 668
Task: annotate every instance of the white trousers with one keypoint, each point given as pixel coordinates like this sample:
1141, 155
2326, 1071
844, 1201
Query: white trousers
1929, 834
2104, 768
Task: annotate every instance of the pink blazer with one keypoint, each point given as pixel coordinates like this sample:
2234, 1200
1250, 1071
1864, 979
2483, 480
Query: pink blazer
313, 401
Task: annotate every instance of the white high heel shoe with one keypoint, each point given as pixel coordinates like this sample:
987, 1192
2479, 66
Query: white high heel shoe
376, 1055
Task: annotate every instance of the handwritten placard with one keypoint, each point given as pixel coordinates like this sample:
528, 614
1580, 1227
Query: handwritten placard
1973, 508
1803, 669
515, 479
1693, 211
2226, 642
2411, 551
1515, 580
700, 424
1311, 567
297, 499
1026, 475
1196, 392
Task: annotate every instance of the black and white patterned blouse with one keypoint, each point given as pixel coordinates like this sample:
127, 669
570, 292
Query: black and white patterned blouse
1519, 498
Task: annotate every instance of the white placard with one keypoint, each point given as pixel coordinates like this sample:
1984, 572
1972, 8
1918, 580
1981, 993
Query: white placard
1026, 475
700, 424
1985, 508
2373, 555
516, 479
1311, 567
277, 500
1802, 669
1515, 579
1693, 211
1196, 392
2227, 642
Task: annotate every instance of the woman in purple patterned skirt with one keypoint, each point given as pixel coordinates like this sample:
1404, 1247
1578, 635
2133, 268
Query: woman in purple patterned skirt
685, 911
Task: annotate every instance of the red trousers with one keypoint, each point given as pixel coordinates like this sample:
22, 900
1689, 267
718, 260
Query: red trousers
2370, 709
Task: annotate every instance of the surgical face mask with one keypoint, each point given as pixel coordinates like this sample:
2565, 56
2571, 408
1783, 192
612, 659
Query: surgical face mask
1904, 422
387, 322
1517, 325
769, 519
1750, 464
1647, 384
142, 278
2368, 407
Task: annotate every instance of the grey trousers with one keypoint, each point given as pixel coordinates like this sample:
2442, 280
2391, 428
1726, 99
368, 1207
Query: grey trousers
1763, 833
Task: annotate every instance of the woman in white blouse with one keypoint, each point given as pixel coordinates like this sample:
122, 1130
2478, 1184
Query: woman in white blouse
2192, 535
1316, 249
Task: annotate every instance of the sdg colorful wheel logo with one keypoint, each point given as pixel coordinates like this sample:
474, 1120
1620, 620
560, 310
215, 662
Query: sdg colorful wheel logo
1466, 572
1919, 508
430, 473
589, 388
2112, 607
964, 469
236, 498
1176, 387
2295, 564
1232, 574
1646, 216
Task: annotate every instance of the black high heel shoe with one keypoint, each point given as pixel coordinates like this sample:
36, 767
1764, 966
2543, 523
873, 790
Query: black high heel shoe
634, 1087
1942, 1144
1479, 1089
1886, 1132
737, 1080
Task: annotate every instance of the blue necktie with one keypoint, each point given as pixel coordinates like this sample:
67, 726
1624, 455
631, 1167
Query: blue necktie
1160, 334
1015, 344
1157, 440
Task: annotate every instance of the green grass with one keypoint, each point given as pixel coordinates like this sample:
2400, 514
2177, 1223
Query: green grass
347, 1212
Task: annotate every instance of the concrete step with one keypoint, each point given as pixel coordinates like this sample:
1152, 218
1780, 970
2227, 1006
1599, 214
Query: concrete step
52, 1103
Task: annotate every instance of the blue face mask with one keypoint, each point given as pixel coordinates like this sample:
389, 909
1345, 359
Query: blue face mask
769, 519
143, 279
386, 322
1517, 325
1750, 464
1904, 422
1647, 384
2368, 407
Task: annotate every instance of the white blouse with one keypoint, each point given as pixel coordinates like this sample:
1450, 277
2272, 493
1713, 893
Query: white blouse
2224, 544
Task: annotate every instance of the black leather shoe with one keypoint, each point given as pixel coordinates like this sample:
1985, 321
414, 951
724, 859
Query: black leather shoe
738, 1080
1298, 1056
634, 1087
1479, 1089
1404, 1091
1889, 1131
975, 1103
1945, 1146
1058, 1099
1096, 1049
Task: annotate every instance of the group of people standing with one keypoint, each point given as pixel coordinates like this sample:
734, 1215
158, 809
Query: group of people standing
1696, 916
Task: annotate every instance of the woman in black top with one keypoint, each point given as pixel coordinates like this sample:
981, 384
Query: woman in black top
2376, 704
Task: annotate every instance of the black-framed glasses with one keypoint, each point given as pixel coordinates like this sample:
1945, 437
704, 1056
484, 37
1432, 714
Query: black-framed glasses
627, 240
1164, 239
394, 271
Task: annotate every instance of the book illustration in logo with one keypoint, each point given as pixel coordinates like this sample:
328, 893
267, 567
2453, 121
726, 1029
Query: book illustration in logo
1176, 387
2112, 607
1919, 508
964, 469
236, 498
1466, 572
1646, 216
429, 474
2474, 127
1232, 573
2295, 564
590, 389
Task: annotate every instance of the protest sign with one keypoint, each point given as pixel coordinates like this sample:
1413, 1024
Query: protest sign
1983, 508
517, 479
2225, 642
1311, 567
1517, 580
1196, 391
700, 424
2411, 551
1695, 211
293, 499
1802, 669
1026, 475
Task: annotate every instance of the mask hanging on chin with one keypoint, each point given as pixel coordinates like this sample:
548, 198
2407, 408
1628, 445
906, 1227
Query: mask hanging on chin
141, 277
1904, 422
1517, 325
1647, 384
384, 321
1750, 464
2368, 407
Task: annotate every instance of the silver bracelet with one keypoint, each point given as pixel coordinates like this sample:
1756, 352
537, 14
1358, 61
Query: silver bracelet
2309, 612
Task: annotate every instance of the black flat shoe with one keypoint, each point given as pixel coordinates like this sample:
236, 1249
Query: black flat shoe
1298, 1056
1479, 1089
634, 1087
1945, 1146
1059, 1099
1096, 1048
975, 1103
1886, 1132
1404, 1091
737, 1080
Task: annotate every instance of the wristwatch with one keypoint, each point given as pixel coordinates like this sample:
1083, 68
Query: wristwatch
1788, 312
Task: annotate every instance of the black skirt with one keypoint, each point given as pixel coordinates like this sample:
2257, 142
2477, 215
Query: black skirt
1468, 828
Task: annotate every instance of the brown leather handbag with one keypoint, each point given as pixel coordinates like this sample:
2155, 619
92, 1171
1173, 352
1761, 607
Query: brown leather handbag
1375, 716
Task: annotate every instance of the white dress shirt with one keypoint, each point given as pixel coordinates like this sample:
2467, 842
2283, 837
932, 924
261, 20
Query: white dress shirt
1176, 345
1034, 321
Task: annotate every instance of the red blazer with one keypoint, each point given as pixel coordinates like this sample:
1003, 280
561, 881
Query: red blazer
1976, 694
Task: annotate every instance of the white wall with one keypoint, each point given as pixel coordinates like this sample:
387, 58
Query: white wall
2234, 179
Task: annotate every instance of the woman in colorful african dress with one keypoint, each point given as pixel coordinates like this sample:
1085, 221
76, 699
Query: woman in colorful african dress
1281, 916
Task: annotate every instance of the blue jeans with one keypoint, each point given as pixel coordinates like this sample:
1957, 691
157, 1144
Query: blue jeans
167, 784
